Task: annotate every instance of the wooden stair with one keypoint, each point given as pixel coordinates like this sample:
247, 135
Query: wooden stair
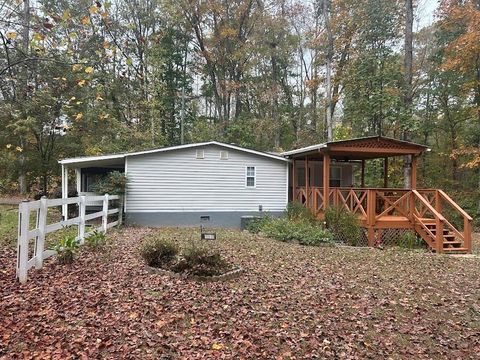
452, 244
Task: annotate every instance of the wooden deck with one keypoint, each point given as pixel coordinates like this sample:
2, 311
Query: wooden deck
420, 210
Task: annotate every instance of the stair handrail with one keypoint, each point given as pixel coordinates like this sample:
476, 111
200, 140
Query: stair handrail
439, 221
454, 204
429, 206
467, 220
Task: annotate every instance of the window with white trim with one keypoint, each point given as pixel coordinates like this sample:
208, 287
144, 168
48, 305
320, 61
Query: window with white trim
250, 176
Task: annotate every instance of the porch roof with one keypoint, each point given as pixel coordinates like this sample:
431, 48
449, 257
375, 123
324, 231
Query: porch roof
359, 149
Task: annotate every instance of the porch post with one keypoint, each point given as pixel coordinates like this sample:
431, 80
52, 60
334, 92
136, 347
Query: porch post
306, 182
413, 173
326, 181
385, 172
64, 191
362, 179
294, 182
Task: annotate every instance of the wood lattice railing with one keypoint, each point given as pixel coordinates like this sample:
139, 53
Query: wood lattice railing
439, 220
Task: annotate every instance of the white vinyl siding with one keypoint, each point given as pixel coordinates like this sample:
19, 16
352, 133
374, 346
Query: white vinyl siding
176, 181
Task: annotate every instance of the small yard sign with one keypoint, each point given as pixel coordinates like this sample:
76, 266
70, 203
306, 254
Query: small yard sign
209, 236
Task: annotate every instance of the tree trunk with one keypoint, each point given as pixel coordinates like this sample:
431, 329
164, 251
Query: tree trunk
22, 178
408, 75
328, 80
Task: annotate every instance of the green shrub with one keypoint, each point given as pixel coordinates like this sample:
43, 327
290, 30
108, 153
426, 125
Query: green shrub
304, 232
159, 252
113, 184
201, 261
66, 248
256, 224
344, 225
96, 240
298, 212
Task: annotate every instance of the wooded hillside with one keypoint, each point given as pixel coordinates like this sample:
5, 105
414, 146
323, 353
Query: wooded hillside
91, 77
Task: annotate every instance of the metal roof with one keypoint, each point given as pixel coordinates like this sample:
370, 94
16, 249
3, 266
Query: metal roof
165, 149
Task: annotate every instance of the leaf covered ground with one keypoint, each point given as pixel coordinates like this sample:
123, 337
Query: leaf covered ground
292, 302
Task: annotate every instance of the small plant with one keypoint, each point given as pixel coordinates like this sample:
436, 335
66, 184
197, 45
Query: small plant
96, 240
159, 252
343, 225
298, 212
304, 232
409, 240
66, 249
201, 261
256, 224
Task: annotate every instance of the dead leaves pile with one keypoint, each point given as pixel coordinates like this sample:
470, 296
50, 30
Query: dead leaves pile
292, 302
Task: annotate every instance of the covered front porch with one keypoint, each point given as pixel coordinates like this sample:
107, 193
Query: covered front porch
333, 174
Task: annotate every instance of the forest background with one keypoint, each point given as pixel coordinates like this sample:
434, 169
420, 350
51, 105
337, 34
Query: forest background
85, 78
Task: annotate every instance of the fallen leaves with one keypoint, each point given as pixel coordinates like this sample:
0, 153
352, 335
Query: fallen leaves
292, 302
11, 35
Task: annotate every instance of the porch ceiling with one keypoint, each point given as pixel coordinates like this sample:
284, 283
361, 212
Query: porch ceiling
106, 163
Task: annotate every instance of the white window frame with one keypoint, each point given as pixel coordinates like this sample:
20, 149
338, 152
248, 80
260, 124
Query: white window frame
254, 176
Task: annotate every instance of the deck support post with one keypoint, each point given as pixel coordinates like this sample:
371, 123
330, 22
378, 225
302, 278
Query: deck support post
413, 173
306, 183
385, 172
371, 236
371, 200
326, 181
362, 176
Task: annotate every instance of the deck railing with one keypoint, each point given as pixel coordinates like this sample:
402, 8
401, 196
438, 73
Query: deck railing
376, 204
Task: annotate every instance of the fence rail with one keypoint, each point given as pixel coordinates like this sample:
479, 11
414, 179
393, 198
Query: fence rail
41, 229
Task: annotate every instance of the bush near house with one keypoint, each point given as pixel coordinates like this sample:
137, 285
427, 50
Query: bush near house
304, 232
201, 261
191, 260
343, 225
113, 184
158, 252
298, 212
300, 225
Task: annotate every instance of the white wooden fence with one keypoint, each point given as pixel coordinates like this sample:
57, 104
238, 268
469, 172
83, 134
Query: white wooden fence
38, 233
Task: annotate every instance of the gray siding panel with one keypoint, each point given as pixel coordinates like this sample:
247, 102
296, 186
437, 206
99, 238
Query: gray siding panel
177, 181
219, 219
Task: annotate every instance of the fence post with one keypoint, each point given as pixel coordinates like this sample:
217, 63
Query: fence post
81, 223
41, 225
120, 210
105, 213
22, 242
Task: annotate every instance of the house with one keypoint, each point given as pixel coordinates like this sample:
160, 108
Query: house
208, 183
217, 184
